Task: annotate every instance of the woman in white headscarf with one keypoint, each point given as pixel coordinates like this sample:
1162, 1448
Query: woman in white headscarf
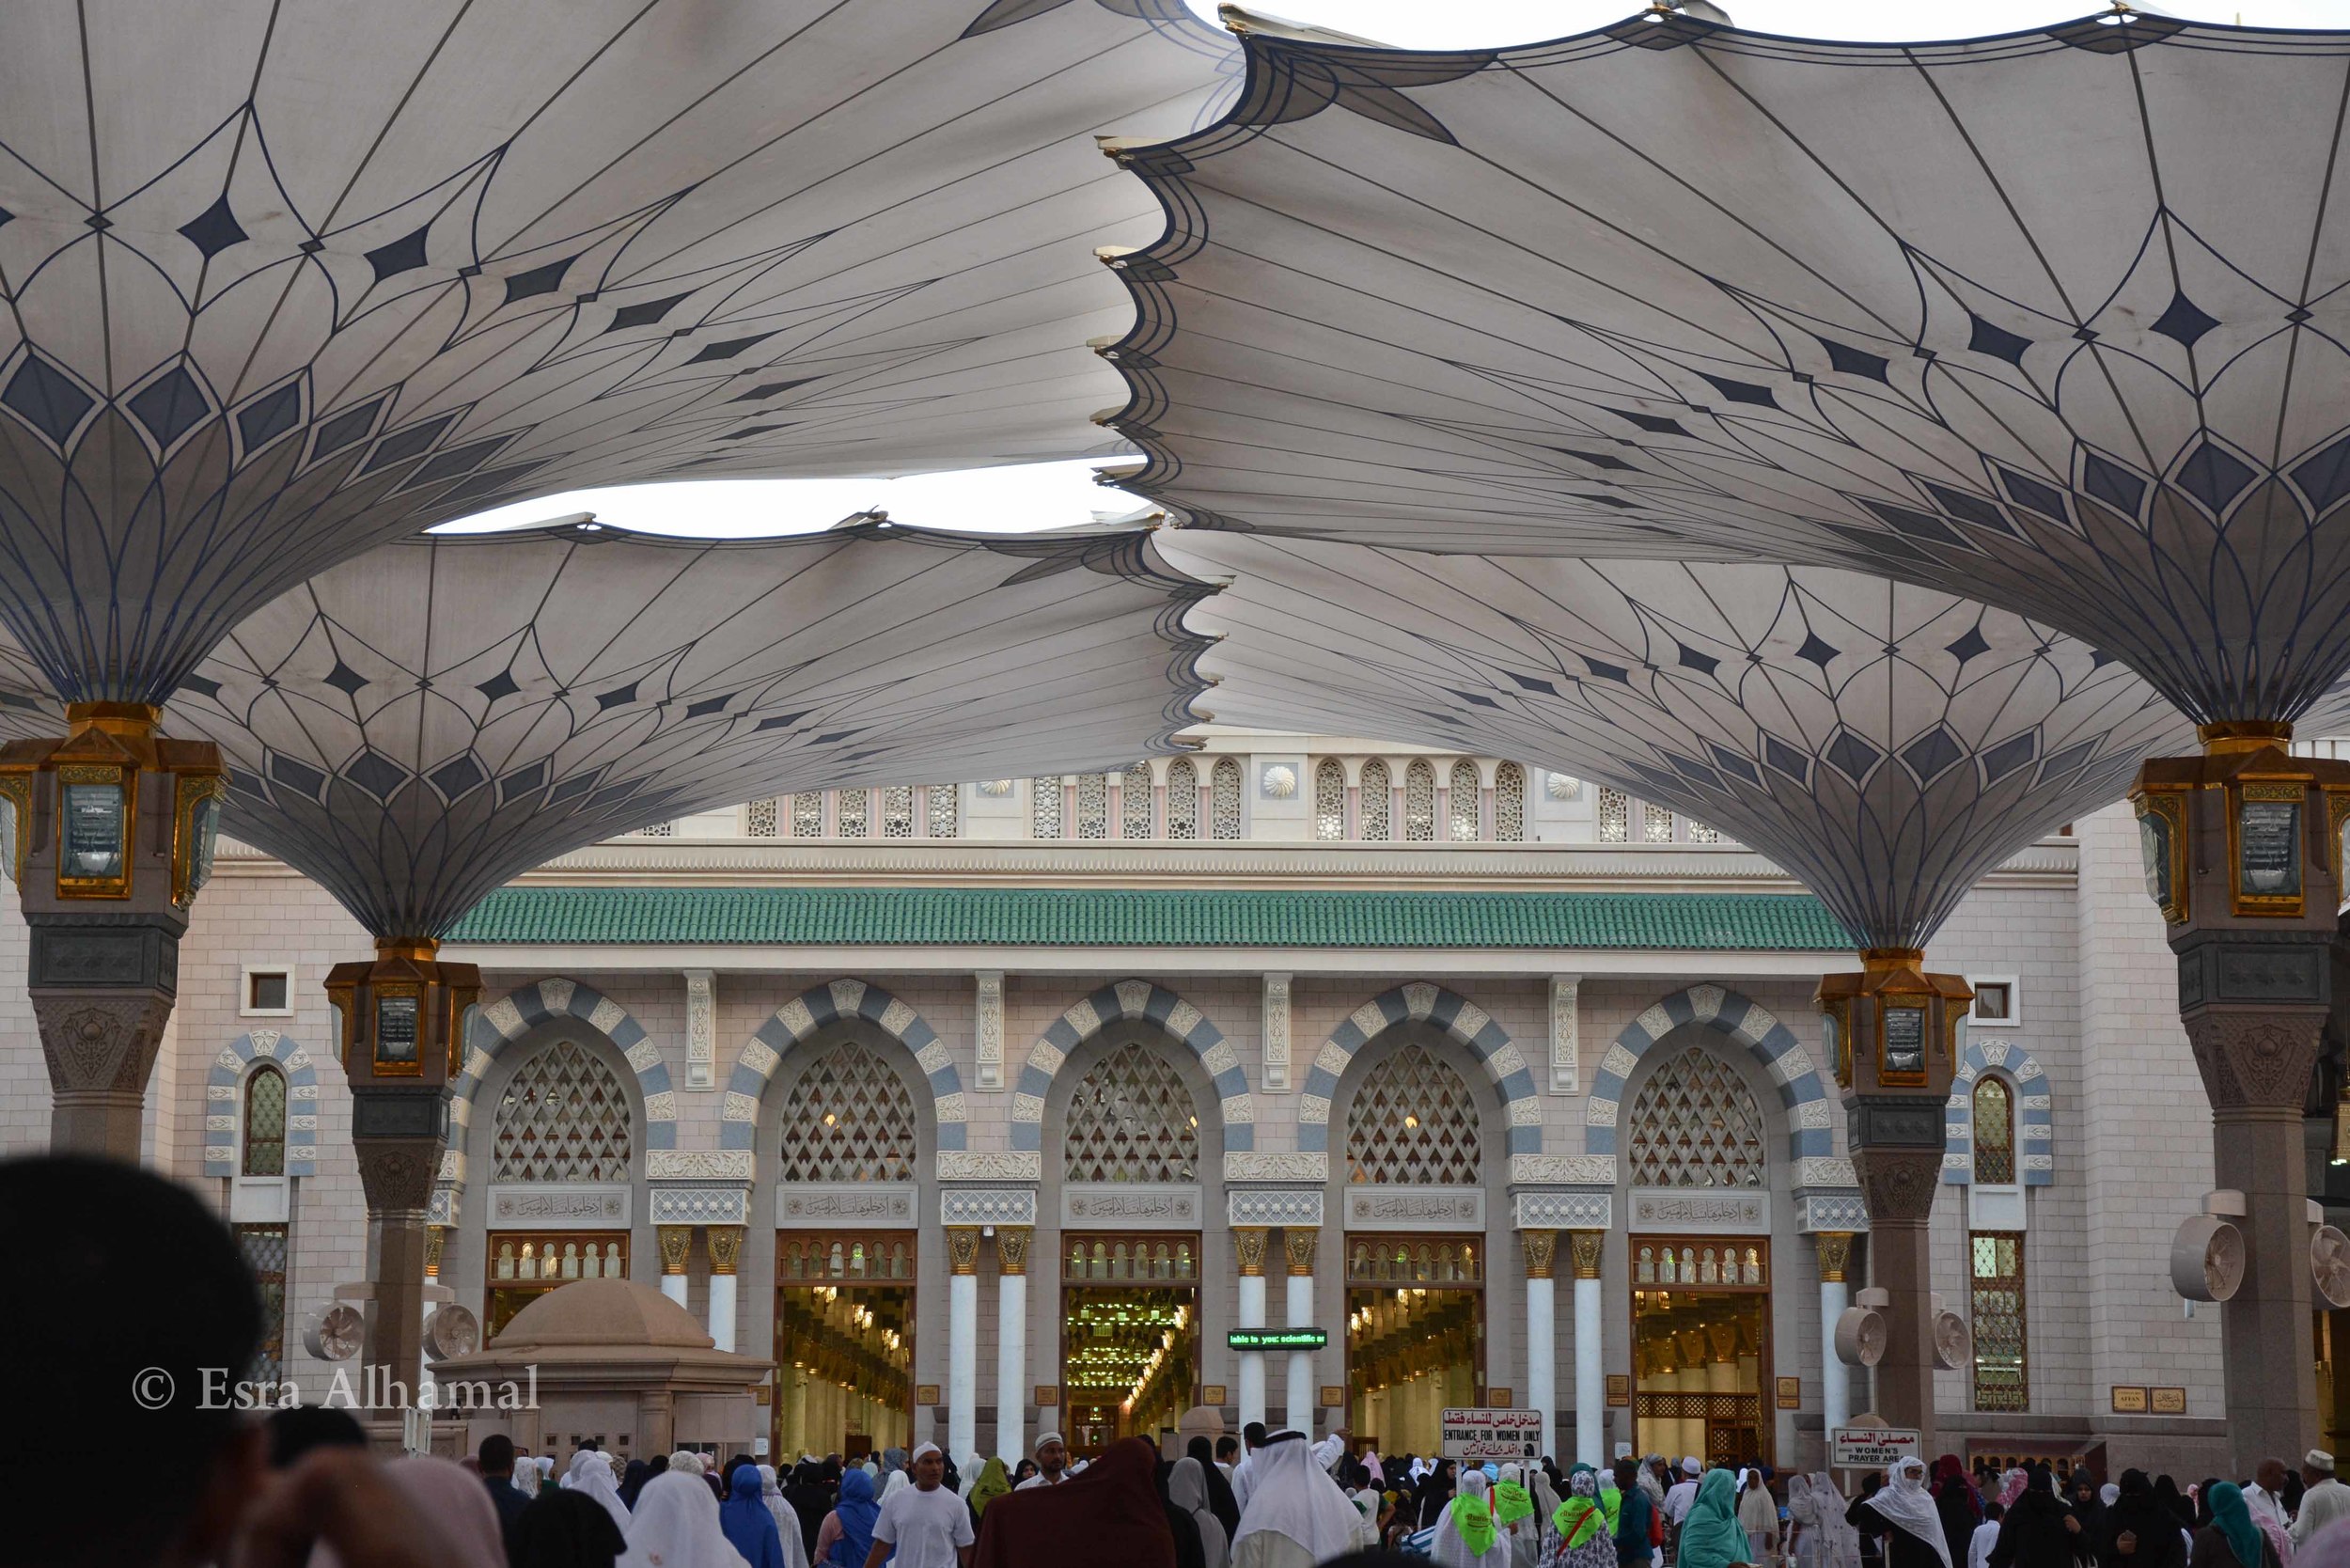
591, 1474
1839, 1543
1466, 1535
787, 1518
676, 1526
1905, 1505
1188, 1489
1295, 1516
899, 1481
968, 1473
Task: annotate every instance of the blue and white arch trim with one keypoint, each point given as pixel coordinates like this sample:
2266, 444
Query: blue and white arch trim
526, 1008
1127, 999
820, 1007
223, 1101
2035, 1117
1810, 1114
1464, 1020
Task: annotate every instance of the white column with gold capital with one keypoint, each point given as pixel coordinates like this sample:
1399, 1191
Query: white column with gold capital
962, 1339
1541, 1250
1011, 1344
726, 1251
1298, 1244
1248, 1246
1834, 1249
1591, 1379
676, 1242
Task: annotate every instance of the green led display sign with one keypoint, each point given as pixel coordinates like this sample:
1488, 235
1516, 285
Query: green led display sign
1277, 1339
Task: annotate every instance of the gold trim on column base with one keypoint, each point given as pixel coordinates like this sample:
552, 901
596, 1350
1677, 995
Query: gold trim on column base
2235, 735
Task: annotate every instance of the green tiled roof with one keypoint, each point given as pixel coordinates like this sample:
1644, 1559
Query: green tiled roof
1089, 917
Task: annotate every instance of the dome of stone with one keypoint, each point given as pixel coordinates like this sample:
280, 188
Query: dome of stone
606, 1312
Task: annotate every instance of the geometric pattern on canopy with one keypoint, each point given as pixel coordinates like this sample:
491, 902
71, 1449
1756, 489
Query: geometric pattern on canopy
285, 283
2046, 320
1887, 744
414, 728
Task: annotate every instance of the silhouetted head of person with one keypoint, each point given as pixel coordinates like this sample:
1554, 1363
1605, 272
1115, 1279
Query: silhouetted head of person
294, 1433
129, 1303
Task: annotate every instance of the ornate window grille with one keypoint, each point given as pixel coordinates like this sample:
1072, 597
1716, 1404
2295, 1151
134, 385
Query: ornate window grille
1657, 824
1996, 1291
1224, 798
1413, 1122
564, 1118
1044, 807
760, 818
850, 1119
1133, 802
1696, 1126
837, 1255
898, 812
1414, 1261
1132, 1119
944, 802
1615, 816
1995, 1131
1329, 800
265, 1123
1120, 1260
1183, 799
852, 812
1464, 801
1703, 832
1093, 806
1420, 801
264, 1249
1509, 803
1371, 817
807, 814
657, 830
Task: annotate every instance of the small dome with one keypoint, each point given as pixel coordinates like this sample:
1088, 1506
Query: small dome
603, 1312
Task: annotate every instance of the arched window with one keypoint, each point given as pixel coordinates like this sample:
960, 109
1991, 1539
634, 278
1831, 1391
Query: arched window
1044, 807
1995, 1131
1329, 800
1224, 798
898, 812
1509, 803
1413, 1122
850, 1119
1371, 816
943, 802
1133, 802
265, 1123
1132, 1119
1420, 801
1696, 1126
1183, 799
1093, 806
807, 814
852, 812
1465, 808
563, 1117
1615, 816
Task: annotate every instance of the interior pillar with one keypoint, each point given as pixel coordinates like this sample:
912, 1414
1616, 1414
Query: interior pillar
1248, 1244
1298, 1243
1011, 1343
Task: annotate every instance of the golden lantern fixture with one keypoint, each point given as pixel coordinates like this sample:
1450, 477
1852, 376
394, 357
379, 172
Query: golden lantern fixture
2244, 825
112, 813
1892, 1026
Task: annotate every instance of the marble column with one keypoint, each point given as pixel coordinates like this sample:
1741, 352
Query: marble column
962, 1339
1540, 1248
1590, 1357
726, 1251
676, 1242
1834, 1249
1248, 1244
1298, 1242
1011, 1343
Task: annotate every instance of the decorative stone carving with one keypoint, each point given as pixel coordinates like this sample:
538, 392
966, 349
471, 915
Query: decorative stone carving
1130, 1205
1898, 1182
1542, 1252
1298, 1245
725, 1248
1006, 1165
560, 1205
1564, 1210
1247, 1165
675, 1241
1402, 1208
1248, 1248
1589, 1247
701, 1205
1563, 1170
1820, 1212
1276, 1032
1011, 1247
1272, 1206
1701, 1211
697, 1165
987, 1206
396, 1174
101, 1042
1566, 1039
988, 1028
853, 1205
997, 787
2261, 1058
1561, 786
1826, 1172
1280, 782
963, 1248
701, 1029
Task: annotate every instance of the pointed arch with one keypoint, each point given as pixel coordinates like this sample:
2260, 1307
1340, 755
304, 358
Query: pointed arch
224, 1101
2035, 1114
1460, 1018
1134, 998
525, 1007
1810, 1114
818, 1008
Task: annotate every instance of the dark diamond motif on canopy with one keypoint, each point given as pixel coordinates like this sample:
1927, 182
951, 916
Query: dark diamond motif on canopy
345, 680
376, 774
169, 405
2213, 476
403, 255
1852, 756
2183, 322
47, 398
1989, 338
214, 230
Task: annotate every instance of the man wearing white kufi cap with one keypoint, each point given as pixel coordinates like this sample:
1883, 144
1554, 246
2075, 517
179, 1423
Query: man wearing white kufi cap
925, 1524
1051, 1462
2325, 1502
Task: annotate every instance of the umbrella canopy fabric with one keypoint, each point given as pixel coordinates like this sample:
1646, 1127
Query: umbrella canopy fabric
284, 283
2048, 320
414, 728
1887, 744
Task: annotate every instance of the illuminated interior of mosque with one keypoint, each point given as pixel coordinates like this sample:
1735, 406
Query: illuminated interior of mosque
845, 1343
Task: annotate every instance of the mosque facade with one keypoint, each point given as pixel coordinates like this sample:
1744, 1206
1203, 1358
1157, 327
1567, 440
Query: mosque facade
1003, 1108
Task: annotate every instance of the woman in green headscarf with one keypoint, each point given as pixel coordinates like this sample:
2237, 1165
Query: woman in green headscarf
1711, 1536
1514, 1510
1466, 1536
1586, 1534
2232, 1539
994, 1482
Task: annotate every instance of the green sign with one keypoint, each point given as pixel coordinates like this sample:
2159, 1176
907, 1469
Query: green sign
1277, 1338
